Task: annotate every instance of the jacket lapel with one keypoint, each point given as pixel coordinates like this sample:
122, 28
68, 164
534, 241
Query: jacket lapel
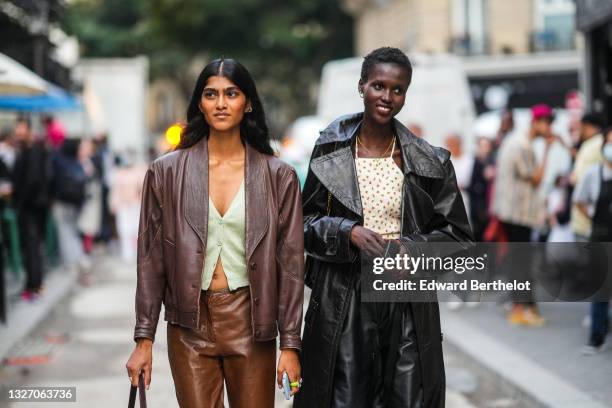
336, 171
256, 194
256, 199
196, 197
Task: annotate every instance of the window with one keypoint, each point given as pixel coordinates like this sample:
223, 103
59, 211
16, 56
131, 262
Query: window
468, 27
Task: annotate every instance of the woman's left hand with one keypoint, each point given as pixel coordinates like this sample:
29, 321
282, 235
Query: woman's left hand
289, 362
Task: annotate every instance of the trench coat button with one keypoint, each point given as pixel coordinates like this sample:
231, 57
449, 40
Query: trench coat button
256, 301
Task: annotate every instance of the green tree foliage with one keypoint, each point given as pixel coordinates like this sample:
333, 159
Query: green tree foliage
284, 43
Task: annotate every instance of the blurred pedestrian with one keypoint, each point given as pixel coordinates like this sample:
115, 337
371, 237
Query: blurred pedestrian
463, 163
125, 197
483, 173
8, 152
506, 127
589, 153
6, 189
593, 198
90, 214
69, 190
558, 206
54, 130
31, 197
7, 160
516, 202
103, 160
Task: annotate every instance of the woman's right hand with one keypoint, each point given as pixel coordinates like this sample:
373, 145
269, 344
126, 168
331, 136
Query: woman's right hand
368, 241
141, 360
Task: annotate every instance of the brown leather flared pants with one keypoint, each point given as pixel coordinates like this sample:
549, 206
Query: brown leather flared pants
222, 349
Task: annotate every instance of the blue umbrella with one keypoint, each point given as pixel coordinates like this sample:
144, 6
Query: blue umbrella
54, 99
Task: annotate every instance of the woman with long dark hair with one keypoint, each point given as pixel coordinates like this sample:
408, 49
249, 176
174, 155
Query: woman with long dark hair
371, 181
221, 243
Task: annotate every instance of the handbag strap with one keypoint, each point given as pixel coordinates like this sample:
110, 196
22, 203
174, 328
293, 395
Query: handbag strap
141, 392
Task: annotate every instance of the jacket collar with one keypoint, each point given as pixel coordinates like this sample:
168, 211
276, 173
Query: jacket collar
336, 169
418, 156
256, 194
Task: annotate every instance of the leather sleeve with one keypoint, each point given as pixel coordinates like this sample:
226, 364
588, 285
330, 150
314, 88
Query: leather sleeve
449, 223
151, 277
326, 238
290, 262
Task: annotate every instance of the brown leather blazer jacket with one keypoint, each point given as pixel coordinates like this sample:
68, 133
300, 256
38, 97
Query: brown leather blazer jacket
172, 242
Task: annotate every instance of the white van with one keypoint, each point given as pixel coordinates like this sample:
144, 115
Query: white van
438, 99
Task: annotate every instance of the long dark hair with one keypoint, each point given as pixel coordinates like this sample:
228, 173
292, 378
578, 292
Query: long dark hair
253, 128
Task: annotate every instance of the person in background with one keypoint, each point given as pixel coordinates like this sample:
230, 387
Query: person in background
90, 214
558, 205
125, 197
482, 176
69, 189
7, 160
463, 164
8, 152
6, 189
589, 153
103, 160
593, 198
55, 132
516, 203
31, 199
506, 127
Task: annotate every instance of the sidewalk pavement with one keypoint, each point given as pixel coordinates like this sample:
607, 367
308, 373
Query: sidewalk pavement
537, 366
23, 317
96, 324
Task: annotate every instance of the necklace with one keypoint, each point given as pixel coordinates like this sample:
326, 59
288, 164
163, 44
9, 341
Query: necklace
369, 151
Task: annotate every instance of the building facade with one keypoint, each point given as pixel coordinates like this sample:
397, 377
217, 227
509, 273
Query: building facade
524, 48
465, 27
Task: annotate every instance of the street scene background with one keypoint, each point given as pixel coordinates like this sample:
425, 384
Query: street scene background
92, 91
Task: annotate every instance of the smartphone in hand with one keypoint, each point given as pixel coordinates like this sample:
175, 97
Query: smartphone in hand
286, 386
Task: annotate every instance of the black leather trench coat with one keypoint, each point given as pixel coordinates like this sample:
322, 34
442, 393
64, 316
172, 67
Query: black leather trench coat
432, 210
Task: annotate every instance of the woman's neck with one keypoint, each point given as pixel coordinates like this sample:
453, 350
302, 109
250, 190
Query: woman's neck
225, 144
372, 133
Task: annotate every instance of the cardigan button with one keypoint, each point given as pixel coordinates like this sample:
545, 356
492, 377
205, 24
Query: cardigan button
258, 332
253, 266
256, 301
